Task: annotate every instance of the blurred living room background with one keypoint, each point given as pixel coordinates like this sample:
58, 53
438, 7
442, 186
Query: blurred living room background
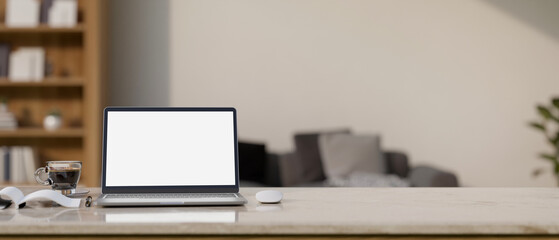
437, 88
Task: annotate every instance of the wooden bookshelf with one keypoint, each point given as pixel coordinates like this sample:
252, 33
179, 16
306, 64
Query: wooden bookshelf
75, 86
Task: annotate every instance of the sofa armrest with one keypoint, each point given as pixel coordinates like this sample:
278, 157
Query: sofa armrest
272, 177
290, 170
397, 163
424, 176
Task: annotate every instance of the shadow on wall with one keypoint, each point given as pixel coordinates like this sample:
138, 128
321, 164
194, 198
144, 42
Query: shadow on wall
138, 53
543, 15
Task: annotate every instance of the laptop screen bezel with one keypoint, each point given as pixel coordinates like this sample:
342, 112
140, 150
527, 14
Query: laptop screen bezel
169, 189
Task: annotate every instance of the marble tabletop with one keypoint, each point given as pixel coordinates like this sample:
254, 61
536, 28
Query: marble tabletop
312, 211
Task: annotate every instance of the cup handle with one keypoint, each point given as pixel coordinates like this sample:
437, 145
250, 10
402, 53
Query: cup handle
38, 177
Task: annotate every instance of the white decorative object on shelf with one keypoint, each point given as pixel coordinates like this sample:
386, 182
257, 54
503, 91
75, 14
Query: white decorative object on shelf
22, 13
63, 13
52, 122
27, 64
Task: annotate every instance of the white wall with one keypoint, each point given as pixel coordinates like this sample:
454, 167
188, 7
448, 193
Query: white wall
453, 83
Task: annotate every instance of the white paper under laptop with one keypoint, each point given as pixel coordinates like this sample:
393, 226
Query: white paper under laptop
170, 156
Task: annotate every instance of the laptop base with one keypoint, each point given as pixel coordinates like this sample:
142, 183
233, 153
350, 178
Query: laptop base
121, 200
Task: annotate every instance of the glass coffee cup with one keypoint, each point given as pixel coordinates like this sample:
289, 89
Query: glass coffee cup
62, 175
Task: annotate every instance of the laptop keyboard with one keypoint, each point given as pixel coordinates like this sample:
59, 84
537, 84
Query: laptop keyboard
173, 195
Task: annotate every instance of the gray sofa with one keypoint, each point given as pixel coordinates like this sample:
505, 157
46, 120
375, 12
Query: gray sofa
397, 162
303, 167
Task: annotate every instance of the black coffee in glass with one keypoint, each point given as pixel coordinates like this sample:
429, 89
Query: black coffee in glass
61, 175
64, 179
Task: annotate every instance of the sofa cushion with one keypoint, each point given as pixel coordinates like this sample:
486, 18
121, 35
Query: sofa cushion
309, 156
343, 154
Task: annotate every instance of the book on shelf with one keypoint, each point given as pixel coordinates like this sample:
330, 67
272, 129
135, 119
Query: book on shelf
44, 14
63, 13
22, 13
5, 165
17, 164
4, 59
7, 121
29, 13
27, 64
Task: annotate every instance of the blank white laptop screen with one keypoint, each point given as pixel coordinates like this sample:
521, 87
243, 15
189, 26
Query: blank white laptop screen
158, 148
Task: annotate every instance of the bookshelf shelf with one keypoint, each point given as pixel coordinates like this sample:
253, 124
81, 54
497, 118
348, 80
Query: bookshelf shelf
47, 82
42, 29
42, 133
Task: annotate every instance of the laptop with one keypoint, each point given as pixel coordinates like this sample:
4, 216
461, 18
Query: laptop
169, 156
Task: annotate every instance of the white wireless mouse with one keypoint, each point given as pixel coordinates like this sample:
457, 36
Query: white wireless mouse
269, 196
